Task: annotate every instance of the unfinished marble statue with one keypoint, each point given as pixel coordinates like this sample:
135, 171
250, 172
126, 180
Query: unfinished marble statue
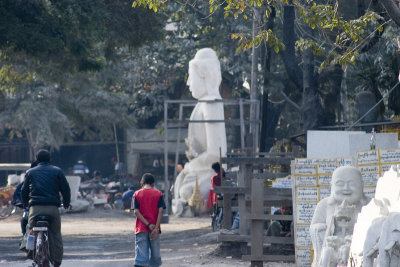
205, 140
376, 241
78, 204
333, 221
369, 223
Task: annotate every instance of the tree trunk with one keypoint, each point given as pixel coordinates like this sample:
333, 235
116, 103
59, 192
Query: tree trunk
270, 112
311, 108
289, 39
360, 8
254, 88
393, 9
343, 98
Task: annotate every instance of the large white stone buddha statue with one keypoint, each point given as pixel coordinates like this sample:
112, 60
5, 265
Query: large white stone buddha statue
205, 139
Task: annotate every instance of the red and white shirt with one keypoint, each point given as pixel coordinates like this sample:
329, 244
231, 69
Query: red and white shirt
147, 201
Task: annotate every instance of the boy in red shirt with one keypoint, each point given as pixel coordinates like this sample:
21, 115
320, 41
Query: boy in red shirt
148, 204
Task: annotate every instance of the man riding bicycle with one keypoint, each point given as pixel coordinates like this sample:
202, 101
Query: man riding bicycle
41, 193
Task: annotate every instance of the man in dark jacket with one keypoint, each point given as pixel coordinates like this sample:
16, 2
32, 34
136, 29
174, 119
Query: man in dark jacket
41, 193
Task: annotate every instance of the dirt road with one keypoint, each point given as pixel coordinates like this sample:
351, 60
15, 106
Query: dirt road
106, 238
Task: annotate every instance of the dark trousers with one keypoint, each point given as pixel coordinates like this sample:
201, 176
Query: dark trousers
24, 222
274, 229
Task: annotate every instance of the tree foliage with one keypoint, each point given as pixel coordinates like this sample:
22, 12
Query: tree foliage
53, 56
345, 34
378, 70
336, 32
76, 68
75, 35
159, 71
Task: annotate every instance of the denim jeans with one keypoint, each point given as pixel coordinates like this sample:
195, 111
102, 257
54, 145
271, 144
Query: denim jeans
147, 251
236, 221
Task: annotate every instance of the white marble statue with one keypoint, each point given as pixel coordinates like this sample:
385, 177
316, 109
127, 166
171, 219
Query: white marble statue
389, 241
369, 223
376, 241
205, 140
78, 205
334, 217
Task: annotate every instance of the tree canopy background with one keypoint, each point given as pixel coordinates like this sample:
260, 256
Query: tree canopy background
74, 69
54, 58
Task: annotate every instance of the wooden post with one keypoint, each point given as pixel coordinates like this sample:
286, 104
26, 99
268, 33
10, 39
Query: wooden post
242, 127
242, 200
257, 226
227, 204
166, 180
178, 140
254, 90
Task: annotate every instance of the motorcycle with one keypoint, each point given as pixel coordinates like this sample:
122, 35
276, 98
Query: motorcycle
38, 242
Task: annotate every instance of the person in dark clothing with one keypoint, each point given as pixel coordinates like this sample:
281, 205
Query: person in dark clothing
281, 228
17, 195
127, 197
17, 201
41, 193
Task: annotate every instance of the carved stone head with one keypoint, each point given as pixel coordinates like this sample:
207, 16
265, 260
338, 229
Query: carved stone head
205, 75
347, 184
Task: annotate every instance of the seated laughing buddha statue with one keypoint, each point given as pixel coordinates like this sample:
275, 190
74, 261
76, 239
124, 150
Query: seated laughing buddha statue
334, 217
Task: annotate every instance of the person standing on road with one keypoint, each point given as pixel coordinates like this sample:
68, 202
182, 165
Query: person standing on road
41, 193
148, 204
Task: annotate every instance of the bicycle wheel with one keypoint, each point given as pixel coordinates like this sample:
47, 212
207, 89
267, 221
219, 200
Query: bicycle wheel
46, 251
42, 255
220, 218
216, 220
214, 223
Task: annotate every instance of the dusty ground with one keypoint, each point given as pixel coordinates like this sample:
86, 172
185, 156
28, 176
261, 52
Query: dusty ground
105, 238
